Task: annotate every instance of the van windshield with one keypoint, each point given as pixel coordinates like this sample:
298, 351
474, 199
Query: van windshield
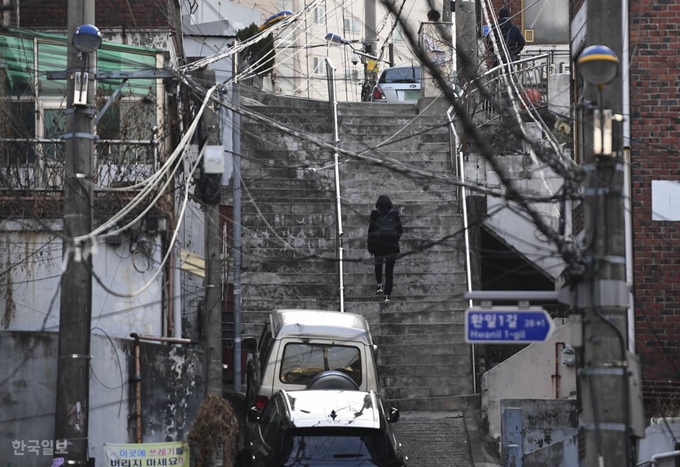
301, 362
401, 75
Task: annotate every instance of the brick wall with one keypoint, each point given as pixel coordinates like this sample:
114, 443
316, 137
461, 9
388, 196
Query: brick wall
129, 14
655, 112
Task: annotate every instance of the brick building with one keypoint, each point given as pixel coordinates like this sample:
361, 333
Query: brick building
655, 175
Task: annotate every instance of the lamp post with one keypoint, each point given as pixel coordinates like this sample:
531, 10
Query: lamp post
602, 292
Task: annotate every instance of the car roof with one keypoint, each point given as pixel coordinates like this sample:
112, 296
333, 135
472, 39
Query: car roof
330, 408
319, 323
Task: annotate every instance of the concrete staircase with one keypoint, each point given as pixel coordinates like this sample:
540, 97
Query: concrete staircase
289, 238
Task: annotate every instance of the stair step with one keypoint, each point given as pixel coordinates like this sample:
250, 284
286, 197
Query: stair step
437, 404
461, 387
437, 361
458, 368
424, 349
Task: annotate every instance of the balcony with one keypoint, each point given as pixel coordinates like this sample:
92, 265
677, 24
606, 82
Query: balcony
38, 164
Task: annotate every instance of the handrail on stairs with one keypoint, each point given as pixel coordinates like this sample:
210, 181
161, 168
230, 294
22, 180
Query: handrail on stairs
460, 171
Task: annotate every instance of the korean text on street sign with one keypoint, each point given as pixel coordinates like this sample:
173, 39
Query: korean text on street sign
147, 455
507, 325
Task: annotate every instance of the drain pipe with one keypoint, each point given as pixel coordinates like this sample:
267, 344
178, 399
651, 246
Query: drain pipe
460, 163
137, 377
557, 377
627, 205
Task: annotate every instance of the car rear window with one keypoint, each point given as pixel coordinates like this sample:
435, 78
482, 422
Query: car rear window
369, 446
401, 75
301, 362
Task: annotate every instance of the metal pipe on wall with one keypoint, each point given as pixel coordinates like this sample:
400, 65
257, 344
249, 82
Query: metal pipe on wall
177, 295
333, 97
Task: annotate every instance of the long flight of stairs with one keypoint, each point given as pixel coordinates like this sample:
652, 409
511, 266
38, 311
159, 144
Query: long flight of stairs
289, 237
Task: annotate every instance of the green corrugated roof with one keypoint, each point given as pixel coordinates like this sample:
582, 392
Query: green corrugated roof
26, 34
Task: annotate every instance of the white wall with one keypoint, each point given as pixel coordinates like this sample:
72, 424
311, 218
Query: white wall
32, 284
515, 229
528, 375
30, 361
659, 439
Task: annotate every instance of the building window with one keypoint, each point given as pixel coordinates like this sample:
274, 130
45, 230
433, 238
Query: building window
32, 108
319, 66
350, 24
319, 15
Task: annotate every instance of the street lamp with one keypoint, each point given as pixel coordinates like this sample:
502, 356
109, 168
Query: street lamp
599, 65
366, 87
86, 39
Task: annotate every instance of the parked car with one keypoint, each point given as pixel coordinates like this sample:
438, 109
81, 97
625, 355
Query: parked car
398, 84
306, 349
324, 428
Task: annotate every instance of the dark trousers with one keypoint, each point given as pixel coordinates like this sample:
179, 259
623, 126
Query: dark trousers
388, 261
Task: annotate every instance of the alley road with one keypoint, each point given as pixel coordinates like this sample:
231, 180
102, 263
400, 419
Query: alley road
434, 439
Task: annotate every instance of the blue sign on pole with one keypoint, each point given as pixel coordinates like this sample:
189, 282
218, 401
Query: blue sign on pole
507, 325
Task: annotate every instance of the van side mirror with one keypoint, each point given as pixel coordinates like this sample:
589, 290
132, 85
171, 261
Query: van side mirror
249, 344
394, 415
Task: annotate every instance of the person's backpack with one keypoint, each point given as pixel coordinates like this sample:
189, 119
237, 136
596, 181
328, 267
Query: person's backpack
387, 226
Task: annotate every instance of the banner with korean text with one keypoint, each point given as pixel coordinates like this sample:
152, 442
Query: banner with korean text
147, 455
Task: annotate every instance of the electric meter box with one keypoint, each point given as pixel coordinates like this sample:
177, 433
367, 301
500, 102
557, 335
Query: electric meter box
213, 160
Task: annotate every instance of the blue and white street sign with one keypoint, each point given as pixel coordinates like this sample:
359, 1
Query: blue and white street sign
507, 325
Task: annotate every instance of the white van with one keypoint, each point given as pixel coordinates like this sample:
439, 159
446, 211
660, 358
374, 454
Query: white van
310, 349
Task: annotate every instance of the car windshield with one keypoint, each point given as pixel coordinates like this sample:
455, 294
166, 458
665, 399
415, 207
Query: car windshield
401, 75
301, 362
336, 446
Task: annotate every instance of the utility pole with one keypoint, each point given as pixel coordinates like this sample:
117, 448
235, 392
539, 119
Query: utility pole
213, 166
602, 293
369, 37
71, 416
466, 42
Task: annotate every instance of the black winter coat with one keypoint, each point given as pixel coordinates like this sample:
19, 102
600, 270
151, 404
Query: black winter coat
511, 35
380, 247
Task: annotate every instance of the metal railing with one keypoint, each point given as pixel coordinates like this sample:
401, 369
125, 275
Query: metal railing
530, 73
38, 164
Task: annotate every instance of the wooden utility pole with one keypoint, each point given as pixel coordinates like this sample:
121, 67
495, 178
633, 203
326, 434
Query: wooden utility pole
212, 196
73, 366
602, 294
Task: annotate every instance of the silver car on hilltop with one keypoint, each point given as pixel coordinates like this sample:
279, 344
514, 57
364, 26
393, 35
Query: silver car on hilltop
399, 84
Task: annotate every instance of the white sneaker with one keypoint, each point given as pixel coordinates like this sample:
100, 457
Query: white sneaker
387, 298
379, 290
